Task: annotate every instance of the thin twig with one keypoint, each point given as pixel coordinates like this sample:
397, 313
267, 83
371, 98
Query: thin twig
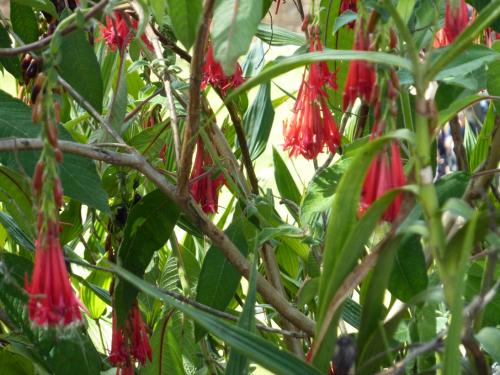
45, 41
132, 113
458, 144
193, 120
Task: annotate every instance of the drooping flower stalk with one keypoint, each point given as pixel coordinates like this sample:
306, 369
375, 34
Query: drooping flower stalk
204, 185
130, 343
361, 76
214, 75
312, 126
117, 33
51, 299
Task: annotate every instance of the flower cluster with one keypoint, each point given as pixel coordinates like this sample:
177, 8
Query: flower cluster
313, 126
130, 342
51, 299
361, 76
117, 33
214, 75
385, 173
203, 184
455, 21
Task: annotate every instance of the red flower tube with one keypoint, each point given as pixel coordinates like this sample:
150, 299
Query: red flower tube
455, 20
214, 75
51, 298
204, 186
361, 76
130, 343
312, 126
117, 33
385, 173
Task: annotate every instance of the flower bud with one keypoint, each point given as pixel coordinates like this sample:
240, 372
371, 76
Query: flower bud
58, 193
51, 133
38, 177
59, 155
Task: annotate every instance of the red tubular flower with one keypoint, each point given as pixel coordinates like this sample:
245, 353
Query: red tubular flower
130, 343
455, 20
313, 126
205, 186
52, 301
214, 75
385, 173
117, 34
361, 76
278, 2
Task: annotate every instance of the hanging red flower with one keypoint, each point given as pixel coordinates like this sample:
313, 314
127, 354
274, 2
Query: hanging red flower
214, 75
117, 33
361, 76
204, 185
130, 343
51, 298
385, 173
455, 20
312, 126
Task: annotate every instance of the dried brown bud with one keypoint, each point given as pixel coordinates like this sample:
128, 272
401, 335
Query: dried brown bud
372, 21
38, 177
36, 111
59, 155
51, 133
394, 39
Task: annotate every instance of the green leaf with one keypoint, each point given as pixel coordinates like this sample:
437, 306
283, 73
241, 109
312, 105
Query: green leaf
344, 19
148, 227
15, 194
158, 9
480, 151
43, 5
233, 27
97, 280
185, 16
76, 349
10, 63
78, 60
258, 121
15, 364
285, 183
219, 279
252, 346
15, 232
320, 191
279, 36
71, 222
489, 338
493, 76
24, 22
409, 274
120, 100
457, 106
237, 363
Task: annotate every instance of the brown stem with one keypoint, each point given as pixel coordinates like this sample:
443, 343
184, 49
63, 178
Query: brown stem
193, 119
273, 274
458, 144
45, 41
191, 210
362, 118
171, 45
132, 113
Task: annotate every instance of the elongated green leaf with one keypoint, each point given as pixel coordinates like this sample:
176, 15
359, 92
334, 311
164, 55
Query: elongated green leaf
120, 100
278, 36
493, 77
285, 183
284, 65
15, 194
374, 303
10, 63
24, 22
252, 346
75, 349
409, 275
219, 279
15, 364
480, 151
79, 67
339, 231
148, 227
233, 27
457, 106
15, 232
258, 121
92, 300
238, 364
185, 16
